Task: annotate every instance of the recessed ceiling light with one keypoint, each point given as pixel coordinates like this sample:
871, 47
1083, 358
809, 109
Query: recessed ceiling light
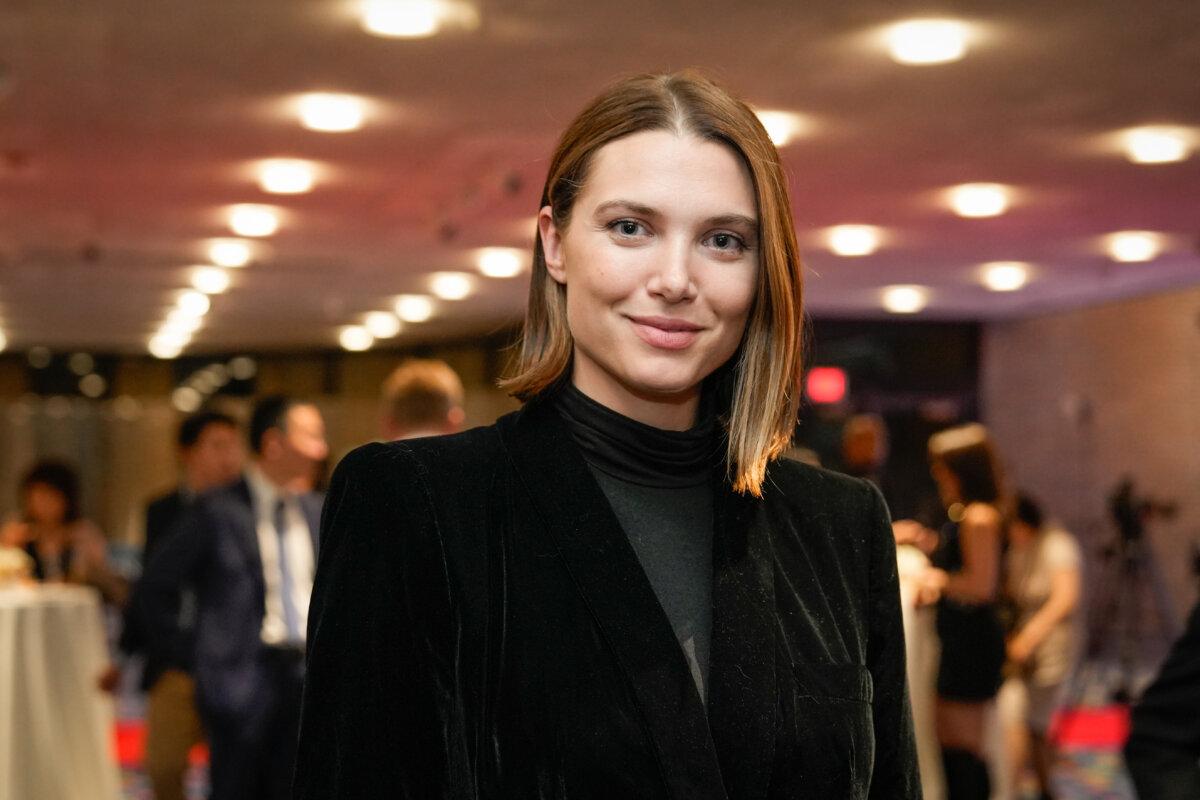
81, 363
355, 338
979, 200
242, 368
253, 220
286, 176
782, 126
853, 240
185, 398
905, 298
229, 253
210, 280
1005, 276
500, 262
1134, 246
92, 385
182, 323
414, 307
193, 303
451, 285
381, 324
927, 41
1157, 145
414, 19
332, 113
406, 19
166, 345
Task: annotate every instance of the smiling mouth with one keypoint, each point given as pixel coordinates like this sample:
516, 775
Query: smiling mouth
665, 333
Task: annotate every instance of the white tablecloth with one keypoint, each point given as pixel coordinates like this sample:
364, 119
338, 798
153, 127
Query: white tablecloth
56, 726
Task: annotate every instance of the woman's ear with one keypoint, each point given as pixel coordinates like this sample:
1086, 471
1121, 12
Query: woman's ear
552, 249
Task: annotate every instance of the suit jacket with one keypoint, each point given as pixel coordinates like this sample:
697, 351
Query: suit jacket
1164, 737
481, 628
161, 515
214, 549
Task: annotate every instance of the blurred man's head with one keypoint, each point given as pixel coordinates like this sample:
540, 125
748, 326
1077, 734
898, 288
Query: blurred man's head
422, 397
864, 444
288, 440
210, 449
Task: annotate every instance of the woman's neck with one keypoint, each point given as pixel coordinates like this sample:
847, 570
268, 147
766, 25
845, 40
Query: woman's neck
669, 412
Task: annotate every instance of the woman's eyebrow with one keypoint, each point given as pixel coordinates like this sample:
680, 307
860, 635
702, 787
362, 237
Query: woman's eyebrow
733, 219
626, 205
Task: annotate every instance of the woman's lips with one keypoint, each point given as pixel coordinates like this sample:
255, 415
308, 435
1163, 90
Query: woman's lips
664, 332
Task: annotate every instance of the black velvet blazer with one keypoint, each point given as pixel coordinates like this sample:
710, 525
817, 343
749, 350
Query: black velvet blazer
481, 628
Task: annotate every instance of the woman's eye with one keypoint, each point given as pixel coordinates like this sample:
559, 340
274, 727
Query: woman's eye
627, 227
727, 242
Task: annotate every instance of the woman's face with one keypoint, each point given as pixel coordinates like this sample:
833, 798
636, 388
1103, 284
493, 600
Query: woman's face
660, 264
44, 504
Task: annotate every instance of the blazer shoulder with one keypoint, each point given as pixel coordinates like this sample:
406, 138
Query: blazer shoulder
444, 460
821, 487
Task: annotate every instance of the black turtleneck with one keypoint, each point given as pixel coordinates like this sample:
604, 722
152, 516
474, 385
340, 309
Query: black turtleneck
659, 484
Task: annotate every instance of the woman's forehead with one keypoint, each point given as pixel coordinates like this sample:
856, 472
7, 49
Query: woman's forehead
670, 172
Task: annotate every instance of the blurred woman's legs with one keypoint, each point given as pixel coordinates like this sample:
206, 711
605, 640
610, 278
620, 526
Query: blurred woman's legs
960, 731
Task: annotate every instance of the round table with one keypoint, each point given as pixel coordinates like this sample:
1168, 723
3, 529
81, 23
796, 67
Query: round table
56, 724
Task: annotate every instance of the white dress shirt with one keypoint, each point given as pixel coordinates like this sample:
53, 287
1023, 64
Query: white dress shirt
264, 495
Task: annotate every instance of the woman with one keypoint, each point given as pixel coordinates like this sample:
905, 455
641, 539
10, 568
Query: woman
619, 591
1042, 582
64, 547
966, 561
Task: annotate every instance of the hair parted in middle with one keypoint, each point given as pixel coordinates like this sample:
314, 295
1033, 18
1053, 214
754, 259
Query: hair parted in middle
759, 389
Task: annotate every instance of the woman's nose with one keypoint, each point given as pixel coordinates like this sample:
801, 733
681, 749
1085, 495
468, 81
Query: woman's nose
672, 276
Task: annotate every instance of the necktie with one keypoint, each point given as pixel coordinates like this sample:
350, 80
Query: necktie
291, 617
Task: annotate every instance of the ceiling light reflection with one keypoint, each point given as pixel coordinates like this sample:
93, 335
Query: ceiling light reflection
210, 280
927, 41
286, 176
1157, 145
253, 220
382, 325
355, 338
451, 285
1005, 276
500, 262
905, 298
414, 307
1131, 247
332, 113
229, 253
853, 240
979, 200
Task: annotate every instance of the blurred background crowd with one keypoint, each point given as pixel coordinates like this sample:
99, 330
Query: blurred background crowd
239, 240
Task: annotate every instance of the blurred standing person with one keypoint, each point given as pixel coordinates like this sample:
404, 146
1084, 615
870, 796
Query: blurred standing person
1163, 750
1042, 582
865, 447
248, 550
65, 547
211, 455
966, 576
422, 397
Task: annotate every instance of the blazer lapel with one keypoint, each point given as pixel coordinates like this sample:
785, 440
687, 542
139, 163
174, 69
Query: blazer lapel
742, 692
606, 570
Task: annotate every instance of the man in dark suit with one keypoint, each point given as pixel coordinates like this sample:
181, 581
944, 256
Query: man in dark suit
249, 551
1163, 751
211, 455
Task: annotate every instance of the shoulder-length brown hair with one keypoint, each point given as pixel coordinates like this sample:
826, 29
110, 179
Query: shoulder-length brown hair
758, 389
967, 451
